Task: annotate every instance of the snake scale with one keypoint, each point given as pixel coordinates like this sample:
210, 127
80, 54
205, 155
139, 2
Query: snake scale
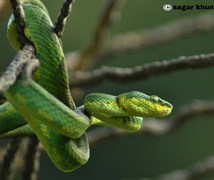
43, 106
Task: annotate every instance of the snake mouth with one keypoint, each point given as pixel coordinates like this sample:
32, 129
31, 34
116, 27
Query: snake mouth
161, 110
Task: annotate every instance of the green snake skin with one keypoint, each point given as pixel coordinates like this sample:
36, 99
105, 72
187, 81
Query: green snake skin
44, 106
50, 54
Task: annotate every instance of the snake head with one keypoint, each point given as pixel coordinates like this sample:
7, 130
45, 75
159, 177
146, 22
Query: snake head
139, 104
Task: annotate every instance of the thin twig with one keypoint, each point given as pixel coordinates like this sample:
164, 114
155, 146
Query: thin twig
23, 56
133, 41
165, 33
31, 160
19, 20
61, 20
157, 127
88, 55
82, 79
8, 159
197, 171
16, 67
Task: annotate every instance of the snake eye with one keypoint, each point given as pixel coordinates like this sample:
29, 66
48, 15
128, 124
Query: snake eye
155, 98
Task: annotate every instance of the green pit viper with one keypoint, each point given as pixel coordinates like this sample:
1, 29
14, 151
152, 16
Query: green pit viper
43, 106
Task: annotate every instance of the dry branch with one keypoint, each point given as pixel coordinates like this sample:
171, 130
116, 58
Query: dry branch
125, 43
165, 33
31, 160
197, 171
61, 20
88, 56
16, 67
133, 41
5, 166
82, 79
19, 20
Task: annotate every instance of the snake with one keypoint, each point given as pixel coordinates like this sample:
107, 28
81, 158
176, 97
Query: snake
43, 105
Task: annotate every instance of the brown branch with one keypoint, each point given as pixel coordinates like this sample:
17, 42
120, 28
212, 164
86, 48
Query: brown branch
22, 62
163, 34
197, 171
133, 41
16, 67
157, 127
8, 159
24, 56
19, 20
61, 20
87, 56
82, 79
31, 160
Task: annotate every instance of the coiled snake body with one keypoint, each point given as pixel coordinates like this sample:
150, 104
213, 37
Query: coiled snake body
45, 107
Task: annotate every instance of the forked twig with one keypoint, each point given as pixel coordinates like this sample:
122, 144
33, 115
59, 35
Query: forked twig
88, 56
133, 41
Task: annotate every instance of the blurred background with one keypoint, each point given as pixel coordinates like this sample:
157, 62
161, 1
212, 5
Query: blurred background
138, 156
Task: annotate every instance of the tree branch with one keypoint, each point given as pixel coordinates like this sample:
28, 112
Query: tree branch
165, 33
19, 20
108, 16
5, 170
198, 170
16, 67
24, 56
31, 159
133, 41
129, 43
157, 127
82, 79
61, 20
